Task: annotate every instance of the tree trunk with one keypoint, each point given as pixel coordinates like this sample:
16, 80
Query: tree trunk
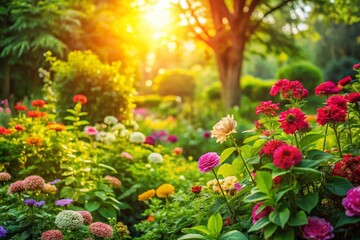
230, 67
6, 83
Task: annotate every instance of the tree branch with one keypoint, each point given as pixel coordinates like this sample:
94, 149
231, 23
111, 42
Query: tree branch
239, 7
192, 12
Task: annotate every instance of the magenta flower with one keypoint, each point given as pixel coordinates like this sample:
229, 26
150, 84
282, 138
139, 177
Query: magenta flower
256, 216
64, 202
208, 161
89, 130
317, 229
150, 140
172, 138
352, 202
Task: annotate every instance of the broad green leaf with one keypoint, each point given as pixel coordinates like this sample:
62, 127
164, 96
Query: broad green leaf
256, 197
246, 151
72, 111
107, 211
69, 180
234, 169
309, 140
251, 139
287, 234
92, 206
193, 236
338, 185
307, 202
101, 195
260, 224
226, 154
70, 118
233, 235
281, 217
82, 123
202, 229
269, 230
318, 155
130, 191
281, 193
310, 163
264, 181
298, 220
67, 192
107, 167
344, 220
300, 170
215, 224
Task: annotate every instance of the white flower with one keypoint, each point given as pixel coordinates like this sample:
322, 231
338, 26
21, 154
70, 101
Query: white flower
155, 158
137, 137
224, 128
110, 120
182, 177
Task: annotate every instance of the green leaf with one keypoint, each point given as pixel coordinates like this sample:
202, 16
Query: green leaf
82, 122
130, 191
101, 195
67, 192
338, 185
70, 180
260, 224
107, 167
264, 181
318, 155
251, 139
107, 211
215, 224
307, 202
202, 229
281, 193
299, 219
234, 169
193, 236
345, 220
281, 217
269, 230
92, 206
72, 111
310, 163
256, 197
309, 140
288, 234
70, 118
300, 170
226, 154
246, 151
233, 235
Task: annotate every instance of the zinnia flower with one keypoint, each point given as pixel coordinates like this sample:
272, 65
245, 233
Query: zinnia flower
56, 126
326, 88
150, 218
317, 229
52, 235
279, 86
17, 186
35, 141
196, 189
178, 150
353, 97
224, 128
89, 130
80, 98
268, 108
38, 103
35, 114
287, 156
356, 66
137, 137
110, 120
256, 216
337, 100
155, 158
100, 229
172, 139
352, 202
64, 202
270, 147
146, 195
49, 188
69, 219
113, 181
33, 182
345, 81
330, 114
18, 127
150, 140
20, 107
3, 231
349, 168
293, 120
86, 216
4, 177
165, 190
4, 131
208, 161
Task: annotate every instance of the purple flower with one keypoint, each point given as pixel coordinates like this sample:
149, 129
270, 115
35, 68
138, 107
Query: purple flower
352, 202
39, 204
207, 135
150, 140
172, 138
3, 231
237, 186
159, 135
55, 181
64, 202
208, 161
30, 202
317, 229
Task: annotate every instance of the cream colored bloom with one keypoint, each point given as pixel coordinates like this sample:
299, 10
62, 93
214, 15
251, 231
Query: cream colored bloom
223, 128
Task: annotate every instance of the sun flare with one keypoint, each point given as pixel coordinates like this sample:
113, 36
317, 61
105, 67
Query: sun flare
158, 16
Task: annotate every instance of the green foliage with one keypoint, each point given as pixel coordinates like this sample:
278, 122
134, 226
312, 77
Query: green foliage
213, 91
178, 82
256, 89
339, 68
103, 85
305, 72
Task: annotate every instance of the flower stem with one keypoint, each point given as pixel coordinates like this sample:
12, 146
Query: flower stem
296, 140
350, 136
231, 211
326, 130
239, 152
337, 139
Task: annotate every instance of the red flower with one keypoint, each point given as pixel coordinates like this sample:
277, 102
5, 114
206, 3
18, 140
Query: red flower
327, 88
345, 81
289, 89
287, 156
196, 189
268, 108
38, 103
337, 100
4, 131
256, 216
297, 90
80, 98
279, 86
227, 222
277, 180
20, 107
270, 147
330, 114
56, 126
293, 120
353, 97
356, 66
150, 218
18, 127
35, 114
349, 168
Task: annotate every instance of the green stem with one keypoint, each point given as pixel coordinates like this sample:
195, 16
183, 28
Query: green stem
167, 202
296, 140
326, 130
350, 136
239, 152
231, 211
337, 139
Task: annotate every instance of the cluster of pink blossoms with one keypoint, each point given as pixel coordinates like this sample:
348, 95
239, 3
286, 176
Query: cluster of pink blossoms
289, 89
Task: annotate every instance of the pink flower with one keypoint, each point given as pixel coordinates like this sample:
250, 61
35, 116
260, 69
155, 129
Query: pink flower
270, 147
317, 229
100, 229
178, 150
287, 156
206, 135
330, 114
89, 130
33, 183
52, 235
268, 108
4, 177
279, 86
113, 181
80, 98
356, 66
353, 97
208, 161
337, 100
352, 202
345, 81
293, 120
256, 216
326, 88
17, 186
126, 155
150, 140
86, 216
172, 139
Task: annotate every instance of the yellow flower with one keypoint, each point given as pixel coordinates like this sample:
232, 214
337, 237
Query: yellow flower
48, 188
165, 190
146, 195
224, 128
